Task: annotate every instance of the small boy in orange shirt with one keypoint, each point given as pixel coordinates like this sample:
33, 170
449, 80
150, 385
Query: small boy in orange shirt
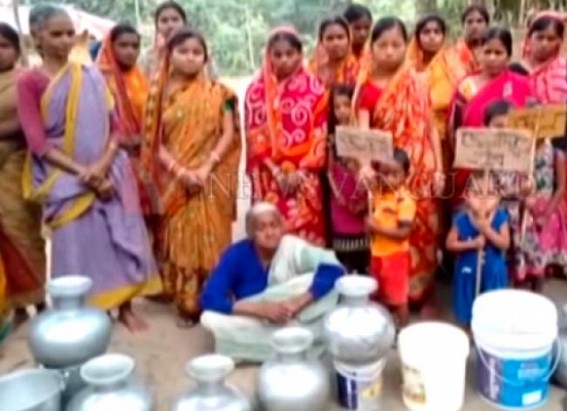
390, 226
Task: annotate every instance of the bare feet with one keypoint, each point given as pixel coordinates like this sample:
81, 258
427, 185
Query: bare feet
185, 321
160, 299
21, 316
131, 320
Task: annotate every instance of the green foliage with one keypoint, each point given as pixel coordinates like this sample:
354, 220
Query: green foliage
237, 29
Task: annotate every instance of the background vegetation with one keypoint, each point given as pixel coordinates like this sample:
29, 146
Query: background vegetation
237, 29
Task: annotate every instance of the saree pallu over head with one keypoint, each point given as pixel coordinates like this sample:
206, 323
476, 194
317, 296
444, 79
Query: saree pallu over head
344, 73
129, 88
286, 122
469, 105
442, 75
549, 80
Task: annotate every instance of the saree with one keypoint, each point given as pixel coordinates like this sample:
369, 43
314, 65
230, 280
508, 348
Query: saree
468, 107
130, 92
290, 275
22, 248
442, 75
286, 122
404, 109
346, 72
195, 227
107, 240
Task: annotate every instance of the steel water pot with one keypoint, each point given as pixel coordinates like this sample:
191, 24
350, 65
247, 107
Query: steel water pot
70, 333
292, 381
31, 390
111, 386
358, 331
211, 392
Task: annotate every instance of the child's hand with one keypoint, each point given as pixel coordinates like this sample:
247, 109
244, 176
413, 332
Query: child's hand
371, 226
479, 242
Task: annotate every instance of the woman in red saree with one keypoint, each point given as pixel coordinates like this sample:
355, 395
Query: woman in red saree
392, 97
285, 116
475, 93
334, 61
117, 60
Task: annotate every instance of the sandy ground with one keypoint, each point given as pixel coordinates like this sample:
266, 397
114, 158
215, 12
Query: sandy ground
162, 352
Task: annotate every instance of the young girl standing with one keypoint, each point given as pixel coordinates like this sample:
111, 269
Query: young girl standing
349, 200
481, 226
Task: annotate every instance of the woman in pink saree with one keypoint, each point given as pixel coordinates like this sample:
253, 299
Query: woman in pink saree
83, 181
477, 91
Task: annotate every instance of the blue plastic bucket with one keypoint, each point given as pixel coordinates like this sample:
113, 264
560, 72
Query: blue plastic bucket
360, 388
514, 333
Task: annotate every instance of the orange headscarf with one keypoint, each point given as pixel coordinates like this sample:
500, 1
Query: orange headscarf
130, 89
442, 75
345, 73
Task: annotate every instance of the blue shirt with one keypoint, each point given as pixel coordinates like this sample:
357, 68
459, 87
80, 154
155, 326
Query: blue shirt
495, 258
240, 275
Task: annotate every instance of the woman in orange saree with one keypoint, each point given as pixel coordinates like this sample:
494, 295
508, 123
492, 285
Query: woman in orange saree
359, 18
334, 61
285, 128
117, 60
475, 20
22, 248
392, 97
191, 151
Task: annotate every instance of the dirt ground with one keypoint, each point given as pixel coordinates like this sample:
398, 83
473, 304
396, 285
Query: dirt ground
162, 352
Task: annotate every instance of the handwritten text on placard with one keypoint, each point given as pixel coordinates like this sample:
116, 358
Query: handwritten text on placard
492, 149
364, 144
543, 122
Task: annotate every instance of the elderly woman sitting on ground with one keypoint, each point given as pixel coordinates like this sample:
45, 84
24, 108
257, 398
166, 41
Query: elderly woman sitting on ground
265, 282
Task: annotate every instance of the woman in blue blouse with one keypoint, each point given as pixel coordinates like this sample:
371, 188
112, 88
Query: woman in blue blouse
264, 282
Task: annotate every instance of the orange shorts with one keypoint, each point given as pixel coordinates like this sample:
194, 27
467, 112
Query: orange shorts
392, 273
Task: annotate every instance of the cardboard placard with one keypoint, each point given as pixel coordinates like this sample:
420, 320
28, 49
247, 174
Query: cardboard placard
494, 149
353, 142
542, 122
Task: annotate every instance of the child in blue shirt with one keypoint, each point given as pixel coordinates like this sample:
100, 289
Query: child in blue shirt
483, 225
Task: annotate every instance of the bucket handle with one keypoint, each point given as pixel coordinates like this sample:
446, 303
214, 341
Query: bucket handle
558, 350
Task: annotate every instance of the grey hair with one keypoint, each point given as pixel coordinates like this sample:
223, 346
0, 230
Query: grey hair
257, 210
42, 13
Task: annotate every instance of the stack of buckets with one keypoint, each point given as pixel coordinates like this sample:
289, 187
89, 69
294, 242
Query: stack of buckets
515, 334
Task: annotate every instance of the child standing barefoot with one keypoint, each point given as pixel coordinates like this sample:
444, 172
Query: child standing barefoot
545, 241
390, 226
349, 199
482, 226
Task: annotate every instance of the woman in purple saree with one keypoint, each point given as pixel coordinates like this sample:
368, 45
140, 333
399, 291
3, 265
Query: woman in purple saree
80, 176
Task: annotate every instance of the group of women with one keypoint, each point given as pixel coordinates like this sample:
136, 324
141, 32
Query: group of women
135, 160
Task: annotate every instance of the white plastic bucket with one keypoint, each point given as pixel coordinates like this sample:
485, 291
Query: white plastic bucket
434, 360
514, 333
360, 388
